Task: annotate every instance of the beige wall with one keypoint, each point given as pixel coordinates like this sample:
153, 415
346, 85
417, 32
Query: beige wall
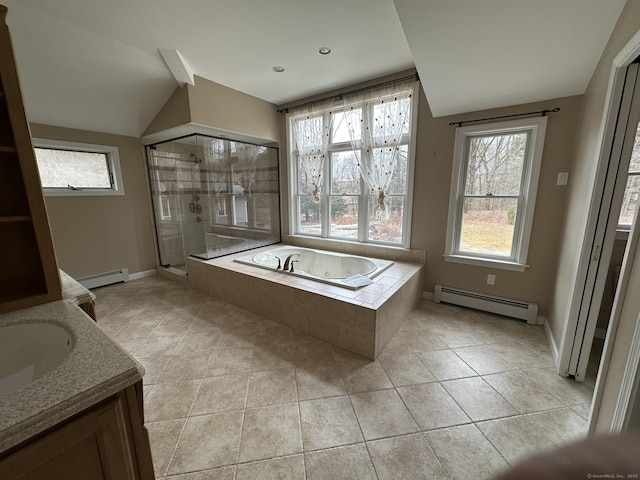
94, 235
582, 171
218, 107
434, 160
174, 112
222, 107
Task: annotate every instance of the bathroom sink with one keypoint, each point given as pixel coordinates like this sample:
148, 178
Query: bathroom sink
28, 351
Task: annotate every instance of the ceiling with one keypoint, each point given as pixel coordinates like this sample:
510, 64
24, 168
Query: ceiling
95, 64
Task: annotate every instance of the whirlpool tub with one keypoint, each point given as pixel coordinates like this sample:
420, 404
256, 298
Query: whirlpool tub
343, 270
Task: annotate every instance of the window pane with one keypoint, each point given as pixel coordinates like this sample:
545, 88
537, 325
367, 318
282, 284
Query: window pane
395, 114
309, 132
309, 216
345, 174
344, 216
488, 226
304, 180
635, 155
340, 127
495, 164
399, 178
61, 168
630, 200
386, 230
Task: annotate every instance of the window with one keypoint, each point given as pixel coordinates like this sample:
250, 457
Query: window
68, 168
345, 186
632, 190
493, 193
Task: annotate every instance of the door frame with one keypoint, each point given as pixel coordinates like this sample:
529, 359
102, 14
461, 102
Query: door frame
581, 281
585, 283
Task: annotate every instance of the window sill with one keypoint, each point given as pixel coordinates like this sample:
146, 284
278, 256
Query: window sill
89, 192
486, 262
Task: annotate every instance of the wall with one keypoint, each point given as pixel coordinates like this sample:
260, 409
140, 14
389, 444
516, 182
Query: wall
583, 170
434, 160
93, 235
220, 108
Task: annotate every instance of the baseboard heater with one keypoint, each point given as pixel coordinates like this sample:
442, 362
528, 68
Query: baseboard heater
488, 303
102, 279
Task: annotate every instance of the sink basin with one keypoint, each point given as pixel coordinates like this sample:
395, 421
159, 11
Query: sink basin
28, 351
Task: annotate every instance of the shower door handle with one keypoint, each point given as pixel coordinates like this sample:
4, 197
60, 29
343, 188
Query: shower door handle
192, 207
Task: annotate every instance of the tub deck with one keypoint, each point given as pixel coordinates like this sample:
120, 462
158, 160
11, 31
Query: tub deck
361, 321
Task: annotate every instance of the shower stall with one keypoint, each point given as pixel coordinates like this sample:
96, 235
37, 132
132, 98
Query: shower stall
212, 196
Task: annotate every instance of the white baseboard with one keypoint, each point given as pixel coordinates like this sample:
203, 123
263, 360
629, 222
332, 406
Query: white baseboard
552, 343
145, 273
427, 295
105, 278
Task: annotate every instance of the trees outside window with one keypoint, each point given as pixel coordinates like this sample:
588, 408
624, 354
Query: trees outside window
493, 192
333, 195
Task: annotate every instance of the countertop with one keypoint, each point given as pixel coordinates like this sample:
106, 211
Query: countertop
96, 368
74, 291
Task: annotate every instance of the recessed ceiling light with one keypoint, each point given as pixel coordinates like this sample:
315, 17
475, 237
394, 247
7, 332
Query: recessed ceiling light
324, 51
278, 69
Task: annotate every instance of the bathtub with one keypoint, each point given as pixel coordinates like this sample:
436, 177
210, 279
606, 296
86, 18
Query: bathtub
340, 269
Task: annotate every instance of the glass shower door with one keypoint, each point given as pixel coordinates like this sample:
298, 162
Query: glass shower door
212, 197
176, 190
190, 196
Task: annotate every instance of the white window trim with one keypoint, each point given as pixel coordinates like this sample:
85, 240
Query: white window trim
518, 262
113, 158
408, 205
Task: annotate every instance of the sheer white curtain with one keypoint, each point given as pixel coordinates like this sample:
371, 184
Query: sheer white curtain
377, 119
311, 132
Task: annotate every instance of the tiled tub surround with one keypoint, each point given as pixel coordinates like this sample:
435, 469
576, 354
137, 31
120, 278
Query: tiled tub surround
360, 321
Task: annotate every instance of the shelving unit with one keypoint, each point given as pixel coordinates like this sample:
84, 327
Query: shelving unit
29, 273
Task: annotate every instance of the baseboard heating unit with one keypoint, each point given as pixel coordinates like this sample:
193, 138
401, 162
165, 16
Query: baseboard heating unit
102, 279
502, 306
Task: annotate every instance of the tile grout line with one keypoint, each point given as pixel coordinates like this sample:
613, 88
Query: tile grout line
295, 379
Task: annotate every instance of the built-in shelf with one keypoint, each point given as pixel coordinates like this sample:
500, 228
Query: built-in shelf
30, 272
15, 218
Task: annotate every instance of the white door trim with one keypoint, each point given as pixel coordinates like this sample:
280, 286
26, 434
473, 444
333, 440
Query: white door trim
609, 118
625, 57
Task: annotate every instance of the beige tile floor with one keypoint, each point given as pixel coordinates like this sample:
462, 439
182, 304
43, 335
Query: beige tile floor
230, 395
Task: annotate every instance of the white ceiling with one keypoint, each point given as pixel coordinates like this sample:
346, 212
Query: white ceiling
95, 64
473, 55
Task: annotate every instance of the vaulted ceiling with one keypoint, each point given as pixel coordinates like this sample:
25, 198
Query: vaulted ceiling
95, 64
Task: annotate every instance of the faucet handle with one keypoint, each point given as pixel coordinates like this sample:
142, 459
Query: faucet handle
278, 258
292, 262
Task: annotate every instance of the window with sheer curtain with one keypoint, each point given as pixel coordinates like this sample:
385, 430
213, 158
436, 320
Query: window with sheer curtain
353, 166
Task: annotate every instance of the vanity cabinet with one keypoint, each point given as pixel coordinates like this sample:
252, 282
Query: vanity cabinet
106, 441
29, 274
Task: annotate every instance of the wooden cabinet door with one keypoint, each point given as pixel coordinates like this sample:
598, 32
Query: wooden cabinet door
93, 446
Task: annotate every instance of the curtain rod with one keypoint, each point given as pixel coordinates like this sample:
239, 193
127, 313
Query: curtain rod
339, 96
541, 112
